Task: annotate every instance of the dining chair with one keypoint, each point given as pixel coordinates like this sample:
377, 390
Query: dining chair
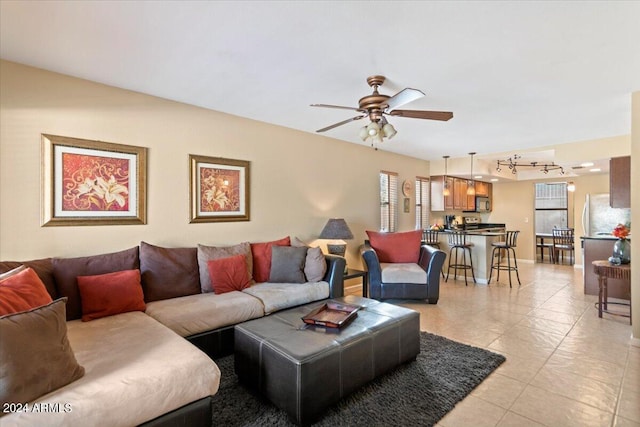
563, 241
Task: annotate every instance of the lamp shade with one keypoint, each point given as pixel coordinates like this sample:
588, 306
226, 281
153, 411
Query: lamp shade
336, 229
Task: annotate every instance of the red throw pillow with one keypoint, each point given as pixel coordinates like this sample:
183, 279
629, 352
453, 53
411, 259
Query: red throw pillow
112, 293
22, 291
228, 274
396, 247
261, 253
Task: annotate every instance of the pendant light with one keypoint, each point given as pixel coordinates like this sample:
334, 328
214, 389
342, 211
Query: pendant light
471, 187
446, 191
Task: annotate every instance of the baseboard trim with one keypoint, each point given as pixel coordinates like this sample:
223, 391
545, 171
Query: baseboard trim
634, 341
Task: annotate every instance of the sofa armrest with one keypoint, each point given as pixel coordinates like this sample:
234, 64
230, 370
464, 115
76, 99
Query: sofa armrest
371, 264
432, 260
335, 275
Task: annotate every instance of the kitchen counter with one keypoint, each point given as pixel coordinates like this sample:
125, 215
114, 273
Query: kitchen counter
605, 237
480, 252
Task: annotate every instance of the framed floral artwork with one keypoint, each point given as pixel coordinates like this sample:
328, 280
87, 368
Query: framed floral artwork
88, 182
219, 189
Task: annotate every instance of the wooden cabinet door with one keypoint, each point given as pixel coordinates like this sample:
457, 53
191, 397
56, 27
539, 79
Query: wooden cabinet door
459, 193
437, 193
620, 182
448, 194
471, 198
482, 189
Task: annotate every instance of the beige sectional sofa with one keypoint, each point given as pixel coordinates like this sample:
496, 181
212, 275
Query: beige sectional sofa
139, 368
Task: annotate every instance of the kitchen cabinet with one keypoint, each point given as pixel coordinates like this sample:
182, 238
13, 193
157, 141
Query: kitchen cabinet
460, 194
483, 189
471, 198
600, 248
441, 193
620, 182
450, 193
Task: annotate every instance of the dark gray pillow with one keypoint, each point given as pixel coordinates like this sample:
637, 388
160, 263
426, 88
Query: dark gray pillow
287, 264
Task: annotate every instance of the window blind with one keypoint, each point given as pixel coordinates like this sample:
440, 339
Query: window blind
388, 201
422, 203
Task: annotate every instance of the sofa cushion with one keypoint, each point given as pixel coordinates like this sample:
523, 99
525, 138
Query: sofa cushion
42, 267
403, 273
136, 370
35, 355
66, 271
111, 293
207, 253
315, 266
261, 253
287, 264
21, 289
168, 272
229, 274
194, 314
278, 296
396, 247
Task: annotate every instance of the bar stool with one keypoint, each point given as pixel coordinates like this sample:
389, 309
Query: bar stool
431, 238
508, 245
458, 242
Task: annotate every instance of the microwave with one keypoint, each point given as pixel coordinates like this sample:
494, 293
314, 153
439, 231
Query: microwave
483, 204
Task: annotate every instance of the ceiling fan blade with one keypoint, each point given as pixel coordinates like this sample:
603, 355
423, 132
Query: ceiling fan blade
336, 106
344, 122
405, 96
420, 114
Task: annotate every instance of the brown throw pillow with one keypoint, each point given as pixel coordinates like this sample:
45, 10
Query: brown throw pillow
66, 270
168, 272
35, 355
287, 264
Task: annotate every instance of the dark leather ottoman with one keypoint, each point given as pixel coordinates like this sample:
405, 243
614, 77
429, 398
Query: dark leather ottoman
303, 369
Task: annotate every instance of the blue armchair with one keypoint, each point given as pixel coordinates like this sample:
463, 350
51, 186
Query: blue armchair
404, 280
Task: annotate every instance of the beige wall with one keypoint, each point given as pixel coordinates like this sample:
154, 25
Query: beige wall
514, 206
298, 180
635, 214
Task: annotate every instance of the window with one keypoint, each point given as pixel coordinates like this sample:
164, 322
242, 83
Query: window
388, 201
422, 203
551, 206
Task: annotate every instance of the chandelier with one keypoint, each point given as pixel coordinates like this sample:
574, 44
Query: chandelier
376, 130
513, 164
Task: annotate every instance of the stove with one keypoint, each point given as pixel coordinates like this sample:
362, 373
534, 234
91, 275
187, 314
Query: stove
471, 222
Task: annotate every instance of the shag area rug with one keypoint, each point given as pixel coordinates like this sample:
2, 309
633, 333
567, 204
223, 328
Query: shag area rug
416, 393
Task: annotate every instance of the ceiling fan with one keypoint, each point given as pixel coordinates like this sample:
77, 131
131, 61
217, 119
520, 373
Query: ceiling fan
376, 106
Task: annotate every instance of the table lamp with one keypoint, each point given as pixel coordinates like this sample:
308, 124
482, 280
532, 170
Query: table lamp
337, 230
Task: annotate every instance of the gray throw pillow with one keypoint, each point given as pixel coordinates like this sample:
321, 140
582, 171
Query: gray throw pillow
35, 355
315, 266
287, 264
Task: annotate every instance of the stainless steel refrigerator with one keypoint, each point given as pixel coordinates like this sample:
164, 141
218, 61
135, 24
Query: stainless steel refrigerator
599, 219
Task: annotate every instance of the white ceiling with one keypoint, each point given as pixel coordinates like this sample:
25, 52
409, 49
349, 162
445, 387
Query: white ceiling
516, 75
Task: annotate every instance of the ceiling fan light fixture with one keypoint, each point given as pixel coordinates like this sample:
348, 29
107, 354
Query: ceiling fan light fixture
364, 133
373, 129
389, 131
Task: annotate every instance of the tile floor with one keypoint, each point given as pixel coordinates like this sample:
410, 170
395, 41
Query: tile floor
565, 366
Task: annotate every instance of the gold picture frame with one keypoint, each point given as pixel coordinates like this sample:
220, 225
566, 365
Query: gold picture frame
86, 182
219, 189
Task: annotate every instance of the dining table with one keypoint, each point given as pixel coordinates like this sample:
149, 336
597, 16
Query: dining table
540, 238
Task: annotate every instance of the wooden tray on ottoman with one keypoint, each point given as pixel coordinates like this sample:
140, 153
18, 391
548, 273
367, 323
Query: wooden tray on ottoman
332, 315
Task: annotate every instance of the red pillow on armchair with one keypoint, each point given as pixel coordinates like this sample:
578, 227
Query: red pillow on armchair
396, 247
